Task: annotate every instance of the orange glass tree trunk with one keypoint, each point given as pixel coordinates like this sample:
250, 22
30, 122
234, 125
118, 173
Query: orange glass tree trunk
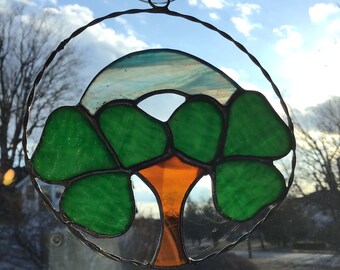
171, 180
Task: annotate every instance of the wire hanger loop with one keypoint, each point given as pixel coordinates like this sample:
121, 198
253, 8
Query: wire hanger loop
158, 4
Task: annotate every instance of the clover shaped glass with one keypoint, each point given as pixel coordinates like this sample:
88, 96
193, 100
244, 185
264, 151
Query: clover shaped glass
215, 128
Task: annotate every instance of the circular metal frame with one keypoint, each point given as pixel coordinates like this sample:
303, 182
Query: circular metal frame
155, 9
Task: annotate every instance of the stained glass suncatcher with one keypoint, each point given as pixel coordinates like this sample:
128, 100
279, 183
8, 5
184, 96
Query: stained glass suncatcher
212, 128
93, 151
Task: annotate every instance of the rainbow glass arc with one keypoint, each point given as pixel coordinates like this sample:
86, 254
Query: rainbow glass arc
158, 69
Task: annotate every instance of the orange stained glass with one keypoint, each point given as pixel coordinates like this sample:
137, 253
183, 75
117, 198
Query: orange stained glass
171, 180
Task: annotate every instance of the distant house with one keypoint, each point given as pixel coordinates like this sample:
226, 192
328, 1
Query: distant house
58, 249
321, 206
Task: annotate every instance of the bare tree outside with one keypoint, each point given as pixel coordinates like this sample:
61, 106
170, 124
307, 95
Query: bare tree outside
26, 39
319, 144
317, 183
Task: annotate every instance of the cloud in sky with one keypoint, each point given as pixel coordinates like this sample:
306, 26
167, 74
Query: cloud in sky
248, 9
309, 71
106, 44
97, 46
289, 41
36, 3
129, 30
193, 2
213, 4
214, 16
102, 39
334, 28
27, 2
244, 26
242, 22
321, 11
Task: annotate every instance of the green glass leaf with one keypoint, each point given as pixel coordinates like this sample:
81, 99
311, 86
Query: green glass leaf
102, 203
69, 147
244, 187
255, 129
196, 128
135, 136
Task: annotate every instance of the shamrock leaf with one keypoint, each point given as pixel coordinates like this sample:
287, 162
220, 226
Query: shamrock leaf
66, 147
197, 128
134, 135
255, 129
71, 149
244, 187
102, 203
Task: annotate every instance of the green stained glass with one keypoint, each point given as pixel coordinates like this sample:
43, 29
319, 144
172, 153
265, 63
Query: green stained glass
244, 187
102, 203
66, 147
255, 129
196, 128
98, 149
134, 136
